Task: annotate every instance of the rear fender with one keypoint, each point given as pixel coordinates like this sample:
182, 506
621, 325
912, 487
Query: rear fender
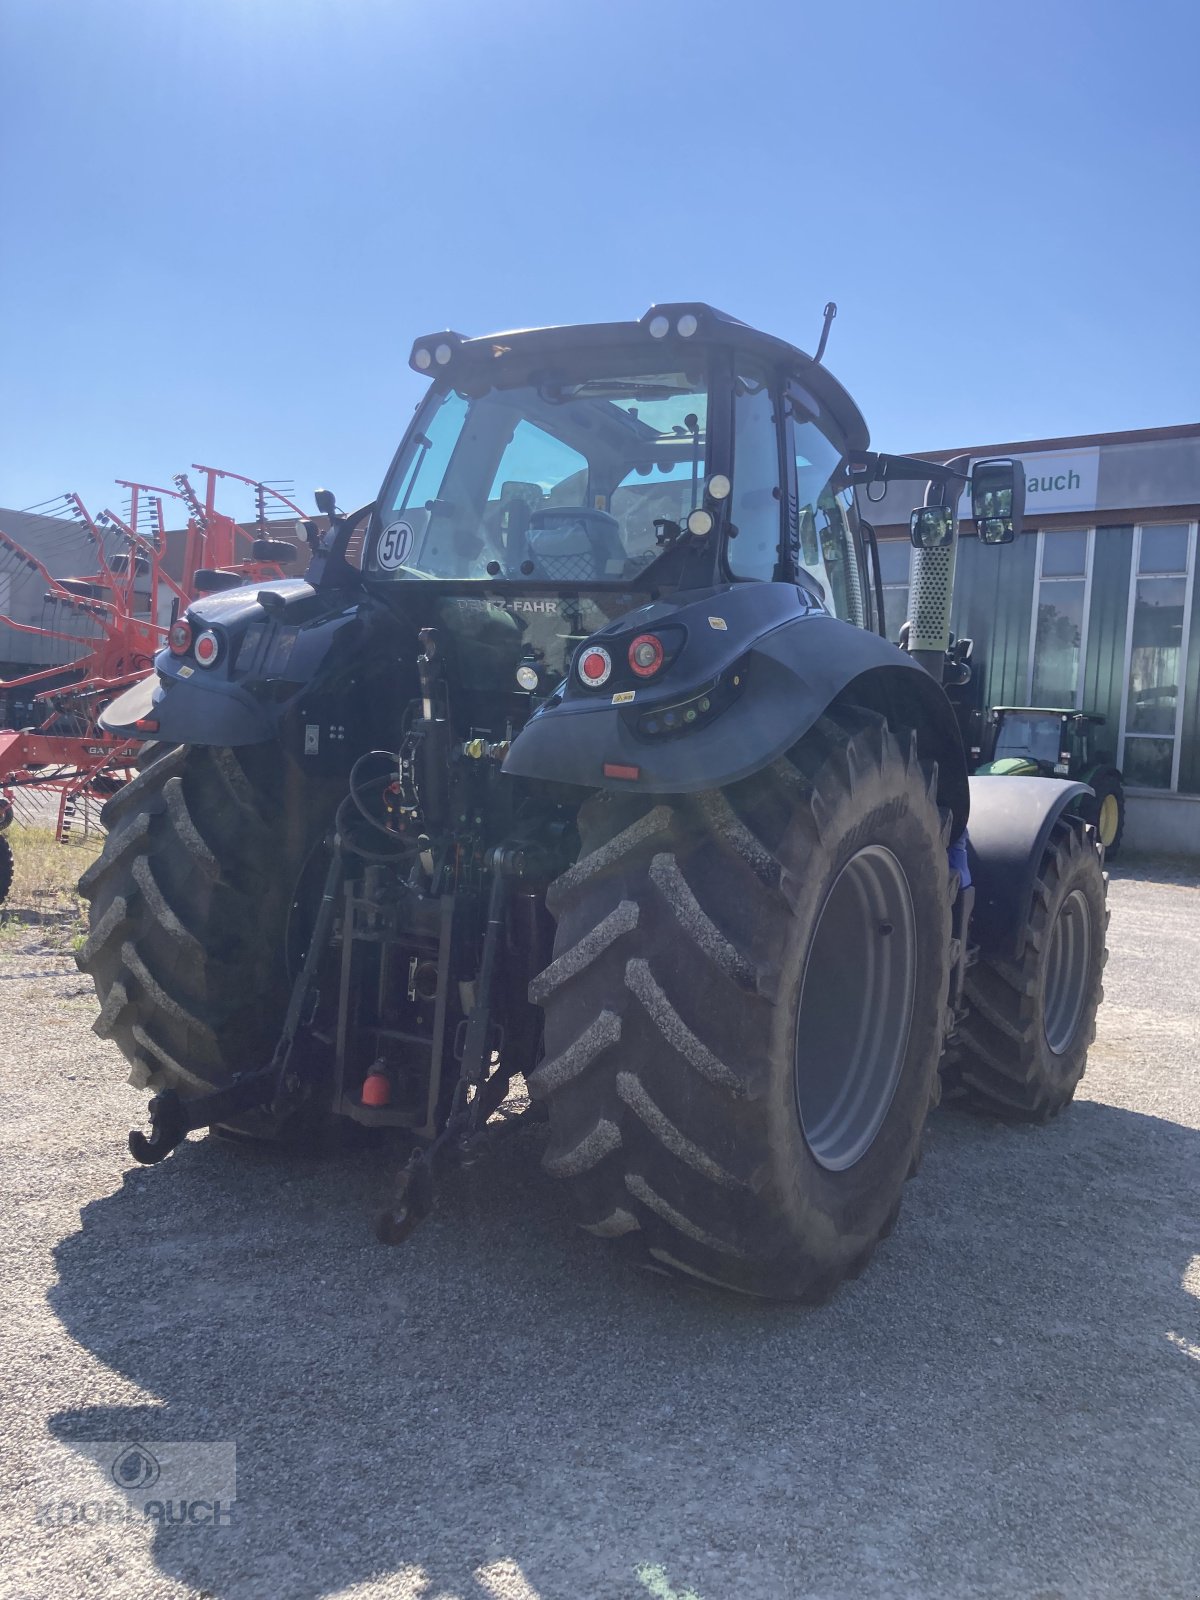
792, 673
277, 642
1011, 822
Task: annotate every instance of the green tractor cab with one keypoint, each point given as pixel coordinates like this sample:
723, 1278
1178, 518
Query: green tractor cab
1058, 742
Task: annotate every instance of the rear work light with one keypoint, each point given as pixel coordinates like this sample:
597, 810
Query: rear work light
646, 655
180, 637
207, 648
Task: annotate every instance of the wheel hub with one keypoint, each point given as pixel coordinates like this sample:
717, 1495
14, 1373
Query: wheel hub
1068, 963
1109, 814
855, 1010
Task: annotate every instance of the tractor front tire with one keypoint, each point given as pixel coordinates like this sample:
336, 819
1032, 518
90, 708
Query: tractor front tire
188, 921
1022, 1047
745, 1012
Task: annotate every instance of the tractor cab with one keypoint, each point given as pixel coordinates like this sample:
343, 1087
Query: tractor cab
1048, 741
683, 451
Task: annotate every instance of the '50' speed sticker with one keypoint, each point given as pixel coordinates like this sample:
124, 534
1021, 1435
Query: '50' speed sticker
395, 546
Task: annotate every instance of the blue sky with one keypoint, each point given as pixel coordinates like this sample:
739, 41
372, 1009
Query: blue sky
225, 220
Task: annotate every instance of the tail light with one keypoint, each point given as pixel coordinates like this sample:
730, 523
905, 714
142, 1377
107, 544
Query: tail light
180, 637
595, 666
208, 648
646, 655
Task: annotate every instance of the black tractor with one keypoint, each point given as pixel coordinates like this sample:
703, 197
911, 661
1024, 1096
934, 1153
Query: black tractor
579, 757
6, 853
1059, 742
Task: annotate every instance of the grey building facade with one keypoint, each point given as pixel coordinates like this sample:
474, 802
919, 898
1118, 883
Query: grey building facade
65, 549
1095, 607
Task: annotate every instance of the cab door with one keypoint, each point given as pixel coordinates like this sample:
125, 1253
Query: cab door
825, 535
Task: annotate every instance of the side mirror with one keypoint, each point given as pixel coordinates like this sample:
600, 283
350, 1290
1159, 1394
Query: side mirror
277, 550
326, 501
998, 500
932, 527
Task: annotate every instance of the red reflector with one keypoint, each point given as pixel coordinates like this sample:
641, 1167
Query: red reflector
614, 769
595, 665
207, 648
376, 1090
146, 725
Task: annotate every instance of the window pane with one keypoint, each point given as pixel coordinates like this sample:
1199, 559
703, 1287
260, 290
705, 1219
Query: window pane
1154, 656
756, 507
1164, 549
825, 549
421, 479
1023, 734
1056, 646
519, 477
895, 609
1065, 554
1147, 763
894, 555
537, 458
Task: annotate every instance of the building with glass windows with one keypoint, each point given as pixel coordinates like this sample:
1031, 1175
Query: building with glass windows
1095, 607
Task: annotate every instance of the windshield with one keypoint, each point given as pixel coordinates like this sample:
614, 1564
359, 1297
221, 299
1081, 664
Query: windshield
1026, 734
568, 480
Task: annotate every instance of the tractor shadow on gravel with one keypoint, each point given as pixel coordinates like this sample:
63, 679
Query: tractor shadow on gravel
1008, 1397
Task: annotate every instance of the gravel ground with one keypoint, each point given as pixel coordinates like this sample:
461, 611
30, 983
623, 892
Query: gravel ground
1007, 1404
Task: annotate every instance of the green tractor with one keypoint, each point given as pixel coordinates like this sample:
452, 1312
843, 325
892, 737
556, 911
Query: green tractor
1057, 742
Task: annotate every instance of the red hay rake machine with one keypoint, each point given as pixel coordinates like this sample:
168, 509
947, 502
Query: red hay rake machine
110, 623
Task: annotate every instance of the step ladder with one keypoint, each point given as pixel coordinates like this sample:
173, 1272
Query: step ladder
66, 816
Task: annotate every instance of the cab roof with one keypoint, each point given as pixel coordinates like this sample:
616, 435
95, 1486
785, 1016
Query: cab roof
660, 324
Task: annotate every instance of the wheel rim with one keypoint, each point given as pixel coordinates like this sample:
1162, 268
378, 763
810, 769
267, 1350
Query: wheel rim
855, 1012
1067, 966
1110, 813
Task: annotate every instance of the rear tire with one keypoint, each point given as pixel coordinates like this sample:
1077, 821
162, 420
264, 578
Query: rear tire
1022, 1048
189, 911
677, 1077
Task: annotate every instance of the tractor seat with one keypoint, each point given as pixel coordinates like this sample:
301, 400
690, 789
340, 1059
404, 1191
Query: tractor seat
574, 544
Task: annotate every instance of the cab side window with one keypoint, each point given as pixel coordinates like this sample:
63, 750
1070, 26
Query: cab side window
756, 504
828, 546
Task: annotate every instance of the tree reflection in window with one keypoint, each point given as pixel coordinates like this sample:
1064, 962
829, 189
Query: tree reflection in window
1156, 630
1058, 636
1154, 655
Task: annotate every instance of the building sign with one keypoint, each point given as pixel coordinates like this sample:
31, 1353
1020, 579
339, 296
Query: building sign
1056, 481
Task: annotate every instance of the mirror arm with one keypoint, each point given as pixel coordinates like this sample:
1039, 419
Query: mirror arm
872, 466
957, 469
